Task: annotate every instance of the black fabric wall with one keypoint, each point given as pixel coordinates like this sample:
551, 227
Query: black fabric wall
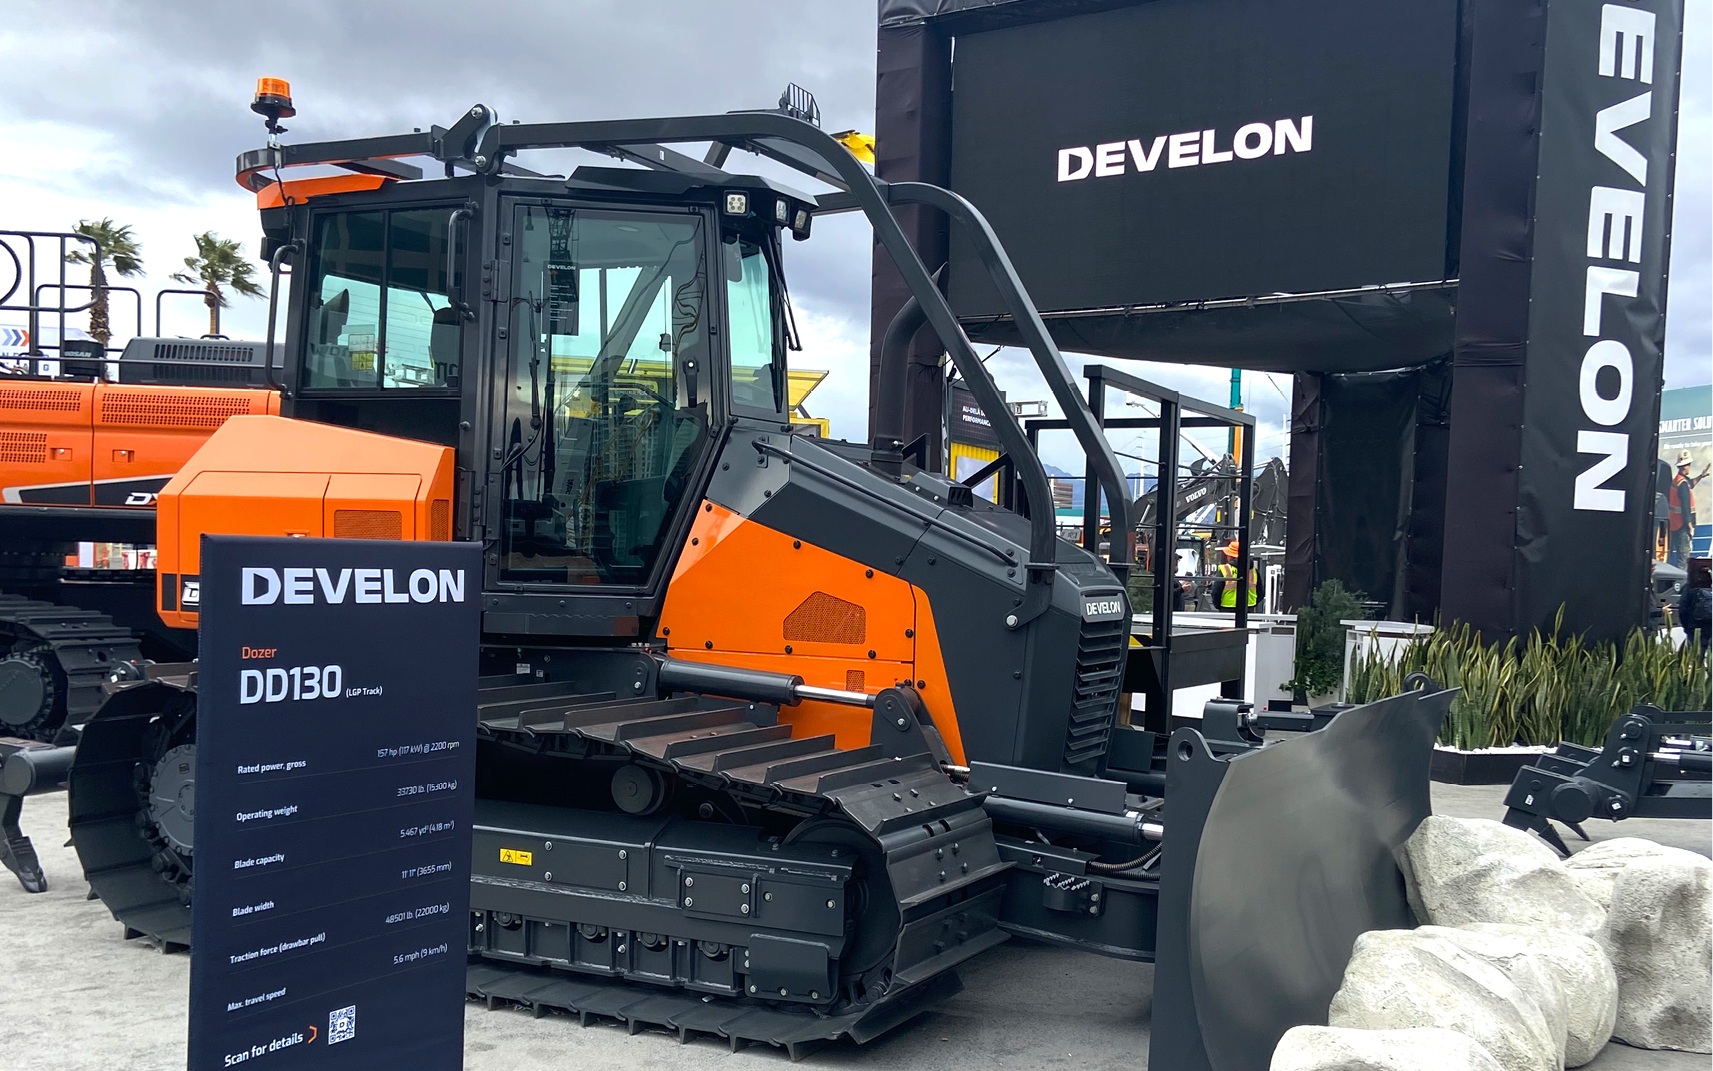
1368, 453
913, 116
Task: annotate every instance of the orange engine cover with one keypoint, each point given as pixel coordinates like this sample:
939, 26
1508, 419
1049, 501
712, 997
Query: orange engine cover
746, 595
268, 475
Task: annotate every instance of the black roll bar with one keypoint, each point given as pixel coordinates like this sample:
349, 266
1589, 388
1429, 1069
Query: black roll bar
1047, 358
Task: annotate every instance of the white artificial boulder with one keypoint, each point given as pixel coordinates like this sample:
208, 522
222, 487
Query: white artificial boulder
1398, 979
1525, 970
1596, 867
1459, 871
1584, 973
1659, 934
1330, 1048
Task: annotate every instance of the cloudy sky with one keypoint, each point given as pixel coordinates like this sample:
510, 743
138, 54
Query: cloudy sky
135, 109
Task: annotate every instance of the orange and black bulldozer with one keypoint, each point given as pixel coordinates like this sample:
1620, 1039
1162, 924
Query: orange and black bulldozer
874, 717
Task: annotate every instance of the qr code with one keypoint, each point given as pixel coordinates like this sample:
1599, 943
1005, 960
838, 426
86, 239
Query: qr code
342, 1025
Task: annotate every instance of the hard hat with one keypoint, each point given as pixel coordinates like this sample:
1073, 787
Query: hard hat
1683, 458
1230, 549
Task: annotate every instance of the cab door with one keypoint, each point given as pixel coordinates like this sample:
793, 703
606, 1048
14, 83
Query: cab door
603, 405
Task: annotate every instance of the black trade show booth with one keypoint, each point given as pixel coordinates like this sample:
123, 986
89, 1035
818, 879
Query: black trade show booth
1449, 219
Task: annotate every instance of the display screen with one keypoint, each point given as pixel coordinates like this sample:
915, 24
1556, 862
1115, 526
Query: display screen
1186, 150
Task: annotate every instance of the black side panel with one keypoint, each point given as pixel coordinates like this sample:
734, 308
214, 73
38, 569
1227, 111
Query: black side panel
1040, 696
429, 420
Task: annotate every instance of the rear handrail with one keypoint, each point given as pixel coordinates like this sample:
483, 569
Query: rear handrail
163, 292
27, 279
1047, 358
137, 296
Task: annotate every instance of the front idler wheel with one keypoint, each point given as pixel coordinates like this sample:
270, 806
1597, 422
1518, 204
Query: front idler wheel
31, 699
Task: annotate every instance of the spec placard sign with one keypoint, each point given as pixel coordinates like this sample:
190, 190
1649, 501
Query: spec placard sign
336, 725
1187, 150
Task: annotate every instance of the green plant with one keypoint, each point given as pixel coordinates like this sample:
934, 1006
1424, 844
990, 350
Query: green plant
1546, 689
1319, 665
218, 262
115, 248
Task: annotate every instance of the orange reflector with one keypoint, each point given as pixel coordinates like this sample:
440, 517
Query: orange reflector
273, 87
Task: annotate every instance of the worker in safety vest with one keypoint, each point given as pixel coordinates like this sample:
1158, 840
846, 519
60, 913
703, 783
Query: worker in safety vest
1228, 585
1681, 498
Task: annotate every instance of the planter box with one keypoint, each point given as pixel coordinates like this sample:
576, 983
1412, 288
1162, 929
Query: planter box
1489, 766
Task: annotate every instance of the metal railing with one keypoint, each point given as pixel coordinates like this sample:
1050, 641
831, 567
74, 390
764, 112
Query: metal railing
23, 256
24, 277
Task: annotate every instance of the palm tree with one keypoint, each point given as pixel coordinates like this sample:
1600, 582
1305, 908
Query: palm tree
116, 248
218, 262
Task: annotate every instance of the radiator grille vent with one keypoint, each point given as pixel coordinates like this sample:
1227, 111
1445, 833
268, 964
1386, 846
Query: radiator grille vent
48, 399
1100, 673
368, 524
440, 519
24, 447
197, 375
203, 351
824, 618
169, 409
200, 363
855, 679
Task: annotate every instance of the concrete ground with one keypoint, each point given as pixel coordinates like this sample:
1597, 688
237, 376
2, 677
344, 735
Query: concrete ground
75, 997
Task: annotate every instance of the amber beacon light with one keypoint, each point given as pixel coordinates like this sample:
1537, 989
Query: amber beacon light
273, 102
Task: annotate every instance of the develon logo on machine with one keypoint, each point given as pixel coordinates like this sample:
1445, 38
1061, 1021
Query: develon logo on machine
1103, 608
262, 586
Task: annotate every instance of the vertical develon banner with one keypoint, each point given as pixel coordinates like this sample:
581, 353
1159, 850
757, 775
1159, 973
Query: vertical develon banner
1597, 312
336, 716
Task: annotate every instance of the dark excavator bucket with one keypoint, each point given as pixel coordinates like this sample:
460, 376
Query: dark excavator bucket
1275, 861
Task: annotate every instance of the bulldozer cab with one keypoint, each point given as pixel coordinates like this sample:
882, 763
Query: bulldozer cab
579, 343
586, 343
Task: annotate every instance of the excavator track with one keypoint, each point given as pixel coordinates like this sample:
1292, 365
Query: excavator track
906, 854
56, 660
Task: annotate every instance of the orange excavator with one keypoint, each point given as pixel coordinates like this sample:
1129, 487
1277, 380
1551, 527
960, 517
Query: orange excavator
872, 717
81, 460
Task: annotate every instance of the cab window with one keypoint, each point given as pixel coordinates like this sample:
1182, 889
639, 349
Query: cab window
758, 358
379, 311
604, 409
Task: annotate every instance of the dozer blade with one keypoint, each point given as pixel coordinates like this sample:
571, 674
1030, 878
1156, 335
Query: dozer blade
1275, 861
